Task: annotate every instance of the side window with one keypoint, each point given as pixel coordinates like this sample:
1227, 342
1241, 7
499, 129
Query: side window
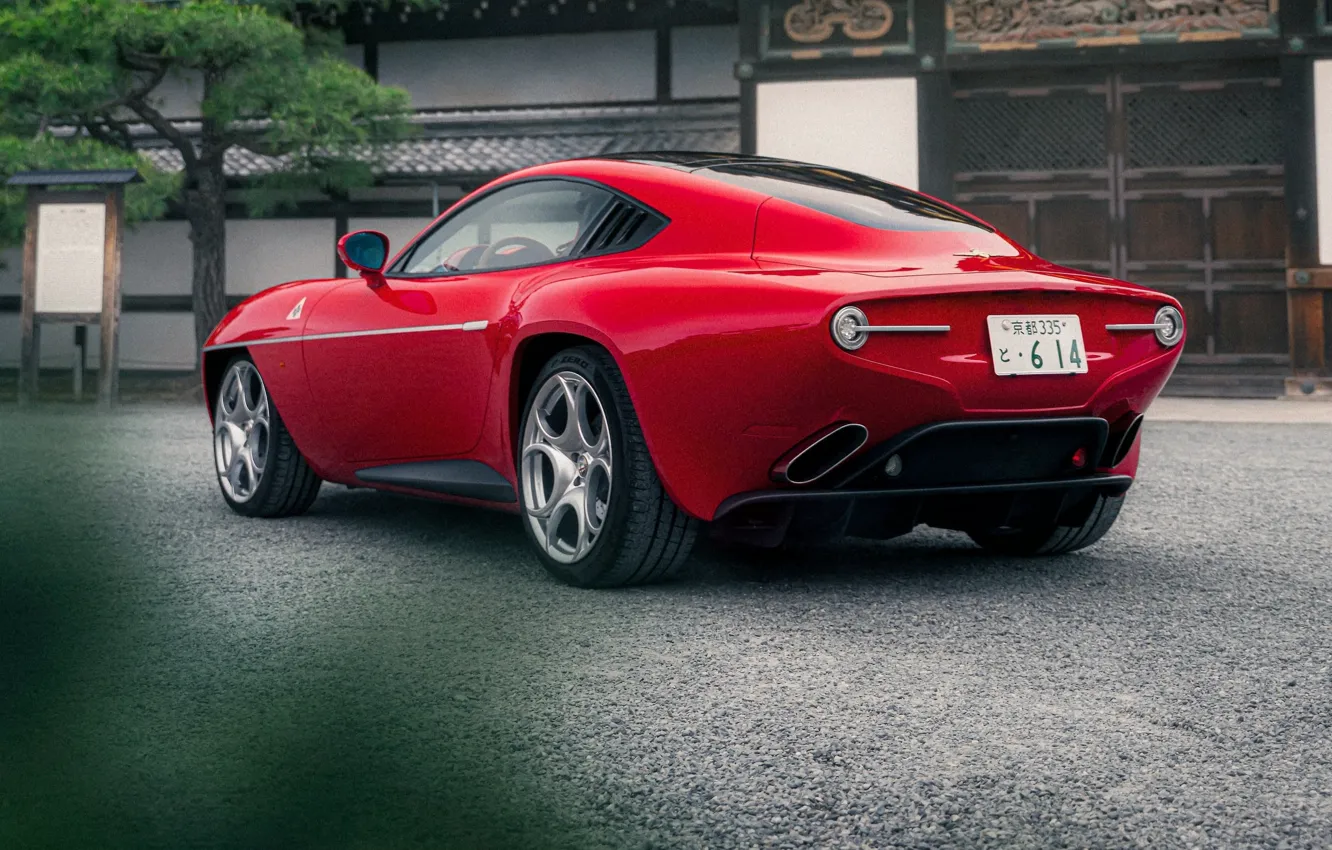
522, 225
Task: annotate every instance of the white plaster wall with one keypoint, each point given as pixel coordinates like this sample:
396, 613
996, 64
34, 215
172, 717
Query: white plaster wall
862, 125
57, 340
57, 344
179, 95
151, 341
523, 70
1323, 157
9, 340
157, 259
703, 61
400, 231
11, 275
265, 252
162, 341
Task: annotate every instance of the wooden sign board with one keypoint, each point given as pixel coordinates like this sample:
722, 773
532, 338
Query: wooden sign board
71, 269
71, 257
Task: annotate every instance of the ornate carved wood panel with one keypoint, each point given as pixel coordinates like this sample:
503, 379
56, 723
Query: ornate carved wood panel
816, 29
1173, 184
1017, 24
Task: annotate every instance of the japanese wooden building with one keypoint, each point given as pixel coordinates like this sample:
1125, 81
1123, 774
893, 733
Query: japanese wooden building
1175, 143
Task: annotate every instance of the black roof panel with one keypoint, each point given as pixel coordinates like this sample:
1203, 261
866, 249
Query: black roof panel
97, 177
690, 160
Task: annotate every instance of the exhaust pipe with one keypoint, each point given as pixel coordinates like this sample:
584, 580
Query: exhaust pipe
820, 453
1115, 452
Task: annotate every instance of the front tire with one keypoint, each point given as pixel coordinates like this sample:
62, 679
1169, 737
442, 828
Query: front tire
591, 501
259, 469
1056, 540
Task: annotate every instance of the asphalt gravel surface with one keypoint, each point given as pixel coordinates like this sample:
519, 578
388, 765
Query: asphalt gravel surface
390, 672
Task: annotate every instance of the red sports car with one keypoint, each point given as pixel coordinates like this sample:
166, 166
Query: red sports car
625, 348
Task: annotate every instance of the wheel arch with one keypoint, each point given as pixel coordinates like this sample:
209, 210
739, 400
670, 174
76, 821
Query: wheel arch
530, 354
214, 367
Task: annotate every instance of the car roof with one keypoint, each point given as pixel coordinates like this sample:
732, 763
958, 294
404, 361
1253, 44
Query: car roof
802, 177
693, 160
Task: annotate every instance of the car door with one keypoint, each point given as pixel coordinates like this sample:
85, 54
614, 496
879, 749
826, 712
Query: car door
403, 370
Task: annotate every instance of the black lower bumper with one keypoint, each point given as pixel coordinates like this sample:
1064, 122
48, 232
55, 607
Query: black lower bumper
1110, 485
770, 517
964, 475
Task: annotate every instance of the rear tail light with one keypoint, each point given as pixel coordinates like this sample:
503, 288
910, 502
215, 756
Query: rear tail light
1169, 326
848, 326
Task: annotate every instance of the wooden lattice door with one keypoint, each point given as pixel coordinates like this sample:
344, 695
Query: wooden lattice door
1168, 177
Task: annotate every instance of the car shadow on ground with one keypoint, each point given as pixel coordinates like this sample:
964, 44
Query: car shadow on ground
926, 557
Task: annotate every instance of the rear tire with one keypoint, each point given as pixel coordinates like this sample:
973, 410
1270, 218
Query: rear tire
259, 469
1056, 540
609, 530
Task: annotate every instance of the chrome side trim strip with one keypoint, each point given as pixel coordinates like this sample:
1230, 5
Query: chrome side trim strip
1147, 326
903, 329
416, 329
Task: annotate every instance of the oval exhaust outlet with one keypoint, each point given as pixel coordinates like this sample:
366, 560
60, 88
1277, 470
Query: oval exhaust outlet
820, 453
1125, 443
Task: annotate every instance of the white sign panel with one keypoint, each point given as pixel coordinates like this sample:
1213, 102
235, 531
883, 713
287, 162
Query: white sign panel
71, 243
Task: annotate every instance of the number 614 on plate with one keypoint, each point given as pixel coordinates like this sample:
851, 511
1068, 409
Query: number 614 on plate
1037, 345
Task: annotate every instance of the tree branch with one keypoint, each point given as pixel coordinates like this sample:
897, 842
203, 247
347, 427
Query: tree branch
109, 131
133, 94
142, 61
168, 131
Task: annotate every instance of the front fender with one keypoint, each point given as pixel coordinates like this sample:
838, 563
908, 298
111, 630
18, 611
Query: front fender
268, 326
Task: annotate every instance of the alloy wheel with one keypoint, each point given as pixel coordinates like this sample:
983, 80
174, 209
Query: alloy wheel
241, 436
565, 467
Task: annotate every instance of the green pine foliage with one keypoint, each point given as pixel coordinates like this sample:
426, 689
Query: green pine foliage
76, 76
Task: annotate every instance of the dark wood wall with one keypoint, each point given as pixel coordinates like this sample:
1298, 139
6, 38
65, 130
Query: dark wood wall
1174, 148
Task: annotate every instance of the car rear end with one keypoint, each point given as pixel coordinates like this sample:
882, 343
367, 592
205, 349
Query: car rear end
1000, 403
975, 385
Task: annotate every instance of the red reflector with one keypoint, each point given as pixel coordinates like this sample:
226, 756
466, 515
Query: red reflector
1080, 458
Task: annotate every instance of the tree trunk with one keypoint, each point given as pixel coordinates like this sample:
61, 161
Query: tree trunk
206, 207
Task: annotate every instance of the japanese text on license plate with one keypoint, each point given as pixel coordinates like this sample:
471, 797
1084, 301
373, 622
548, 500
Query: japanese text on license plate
1037, 345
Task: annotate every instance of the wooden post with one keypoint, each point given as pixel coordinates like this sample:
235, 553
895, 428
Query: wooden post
108, 368
80, 359
1303, 279
29, 330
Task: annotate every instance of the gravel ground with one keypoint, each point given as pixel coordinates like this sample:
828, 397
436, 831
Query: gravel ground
388, 672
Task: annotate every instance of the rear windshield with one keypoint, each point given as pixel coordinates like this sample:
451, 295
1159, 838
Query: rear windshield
853, 197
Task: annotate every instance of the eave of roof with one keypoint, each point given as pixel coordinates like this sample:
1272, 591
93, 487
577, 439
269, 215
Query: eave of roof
472, 144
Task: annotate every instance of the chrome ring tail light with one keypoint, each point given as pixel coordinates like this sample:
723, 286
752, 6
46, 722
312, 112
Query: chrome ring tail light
1169, 326
851, 327
848, 328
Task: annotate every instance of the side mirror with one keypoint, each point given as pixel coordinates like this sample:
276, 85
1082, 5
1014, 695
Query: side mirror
366, 251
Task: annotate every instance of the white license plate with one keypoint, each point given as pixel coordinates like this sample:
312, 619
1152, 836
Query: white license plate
1037, 345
